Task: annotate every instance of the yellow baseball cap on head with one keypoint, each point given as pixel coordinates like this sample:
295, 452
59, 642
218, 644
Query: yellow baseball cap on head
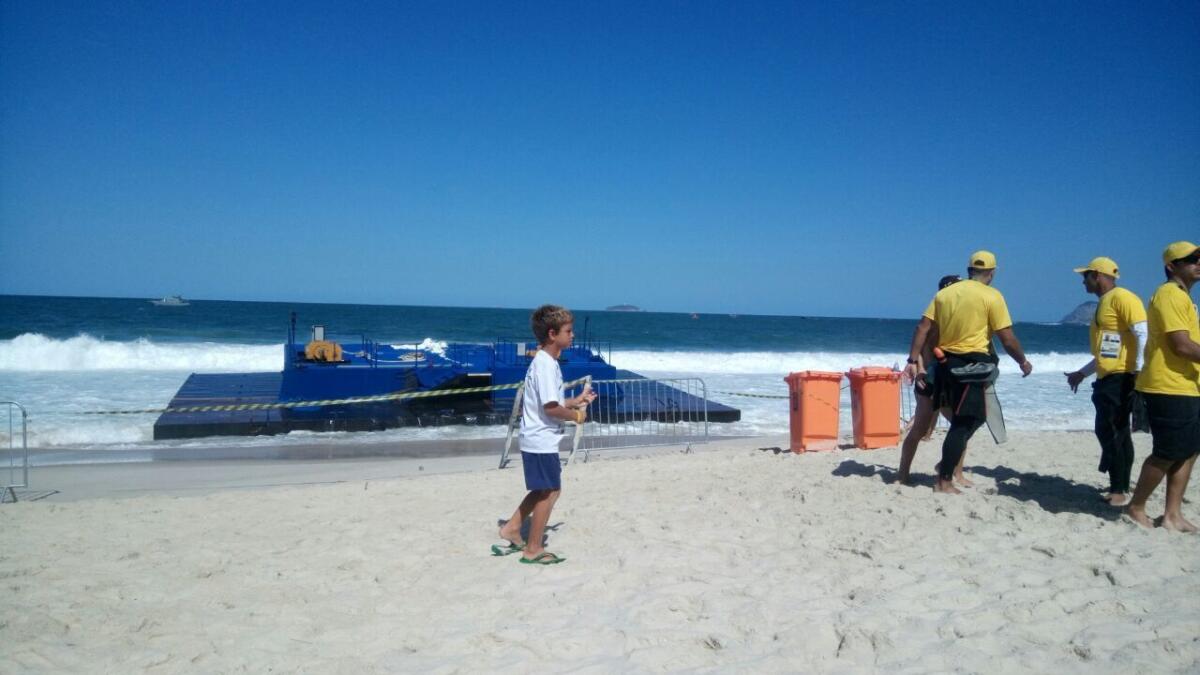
1180, 249
982, 260
1102, 265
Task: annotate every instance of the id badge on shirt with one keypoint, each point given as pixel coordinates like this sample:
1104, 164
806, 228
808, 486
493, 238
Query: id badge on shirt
1110, 345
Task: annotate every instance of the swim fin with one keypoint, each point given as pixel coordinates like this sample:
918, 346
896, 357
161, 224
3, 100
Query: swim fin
995, 415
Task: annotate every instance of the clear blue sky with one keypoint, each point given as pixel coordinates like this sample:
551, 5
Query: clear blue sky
786, 158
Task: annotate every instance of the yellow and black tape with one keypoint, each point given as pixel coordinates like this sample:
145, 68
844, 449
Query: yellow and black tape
738, 393
399, 396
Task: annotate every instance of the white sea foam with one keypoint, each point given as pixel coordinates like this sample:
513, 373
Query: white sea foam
58, 379
36, 352
771, 363
433, 346
33, 352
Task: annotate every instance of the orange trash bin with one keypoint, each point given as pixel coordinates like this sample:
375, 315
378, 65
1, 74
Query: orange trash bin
814, 404
875, 407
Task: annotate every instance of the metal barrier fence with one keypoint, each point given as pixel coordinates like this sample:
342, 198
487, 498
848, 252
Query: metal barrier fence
908, 402
681, 413
633, 412
15, 470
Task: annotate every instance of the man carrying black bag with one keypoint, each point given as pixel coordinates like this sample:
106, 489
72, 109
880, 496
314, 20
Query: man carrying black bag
1118, 337
966, 314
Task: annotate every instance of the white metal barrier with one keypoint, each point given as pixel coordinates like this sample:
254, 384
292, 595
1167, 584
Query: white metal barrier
908, 408
15, 470
633, 412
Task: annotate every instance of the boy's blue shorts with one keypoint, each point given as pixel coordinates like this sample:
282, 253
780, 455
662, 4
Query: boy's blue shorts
543, 470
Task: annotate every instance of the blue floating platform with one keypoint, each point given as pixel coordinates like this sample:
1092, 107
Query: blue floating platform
204, 389
369, 369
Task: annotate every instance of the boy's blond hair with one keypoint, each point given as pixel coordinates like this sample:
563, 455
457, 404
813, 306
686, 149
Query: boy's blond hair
547, 318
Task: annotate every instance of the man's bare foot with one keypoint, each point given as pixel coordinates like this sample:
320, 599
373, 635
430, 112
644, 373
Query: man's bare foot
903, 479
962, 480
1177, 524
1138, 515
1117, 498
512, 534
946, 487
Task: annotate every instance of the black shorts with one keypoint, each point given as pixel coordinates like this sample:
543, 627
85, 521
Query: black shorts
1174, 424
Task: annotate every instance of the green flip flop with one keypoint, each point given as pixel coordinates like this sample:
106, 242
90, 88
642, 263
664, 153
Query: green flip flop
543, 558
498, 550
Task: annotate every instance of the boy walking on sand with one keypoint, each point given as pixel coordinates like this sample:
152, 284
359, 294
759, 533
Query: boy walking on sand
543, 410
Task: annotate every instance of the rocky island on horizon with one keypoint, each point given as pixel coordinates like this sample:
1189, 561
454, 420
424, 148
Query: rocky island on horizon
1081, 315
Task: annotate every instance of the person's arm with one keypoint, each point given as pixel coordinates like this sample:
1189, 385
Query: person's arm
1073, 379
1142, 333
920, 335
564, 413
931, 341
573, 409
1183, 345
583, 399
547, 383
1008, 340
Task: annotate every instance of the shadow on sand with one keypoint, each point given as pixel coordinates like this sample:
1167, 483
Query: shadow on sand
1054, 494
887, 474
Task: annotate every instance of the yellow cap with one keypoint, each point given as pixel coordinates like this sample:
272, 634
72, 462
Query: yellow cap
1180, 249
1103, 266
982, 260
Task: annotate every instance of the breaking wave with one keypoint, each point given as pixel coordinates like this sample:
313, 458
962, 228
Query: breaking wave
771, 363
38, 353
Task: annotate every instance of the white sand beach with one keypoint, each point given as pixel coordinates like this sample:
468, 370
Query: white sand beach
729, 558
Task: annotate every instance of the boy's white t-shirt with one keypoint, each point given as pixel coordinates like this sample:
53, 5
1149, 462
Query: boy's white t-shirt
540, 432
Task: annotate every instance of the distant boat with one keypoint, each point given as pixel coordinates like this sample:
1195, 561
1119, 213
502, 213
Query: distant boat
171, 301
623, 308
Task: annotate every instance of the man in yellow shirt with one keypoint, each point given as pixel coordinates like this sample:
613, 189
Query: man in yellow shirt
1118, 337
966, 315
1170, 383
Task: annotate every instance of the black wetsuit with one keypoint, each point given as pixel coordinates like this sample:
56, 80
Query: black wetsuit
1113, 398
967, 405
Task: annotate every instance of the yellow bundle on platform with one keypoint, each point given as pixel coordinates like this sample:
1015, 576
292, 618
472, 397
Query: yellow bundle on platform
323, 350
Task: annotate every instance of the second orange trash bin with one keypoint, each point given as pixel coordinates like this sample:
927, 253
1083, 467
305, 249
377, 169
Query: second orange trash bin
875, 407
814, 409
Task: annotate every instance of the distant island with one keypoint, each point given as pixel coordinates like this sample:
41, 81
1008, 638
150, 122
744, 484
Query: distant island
623, 308
1081, 315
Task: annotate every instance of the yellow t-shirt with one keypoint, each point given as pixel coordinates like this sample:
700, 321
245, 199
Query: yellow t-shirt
967, 313
1113, 342
1165, 372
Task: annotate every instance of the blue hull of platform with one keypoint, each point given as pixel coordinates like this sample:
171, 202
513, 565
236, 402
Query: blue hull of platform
370, 369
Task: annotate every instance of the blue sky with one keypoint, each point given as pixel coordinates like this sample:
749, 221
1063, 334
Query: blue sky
782, 158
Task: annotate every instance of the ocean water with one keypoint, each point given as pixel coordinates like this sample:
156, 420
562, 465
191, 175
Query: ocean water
62, 356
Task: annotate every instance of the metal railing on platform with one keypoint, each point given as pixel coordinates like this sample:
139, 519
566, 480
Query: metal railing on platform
14, 462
